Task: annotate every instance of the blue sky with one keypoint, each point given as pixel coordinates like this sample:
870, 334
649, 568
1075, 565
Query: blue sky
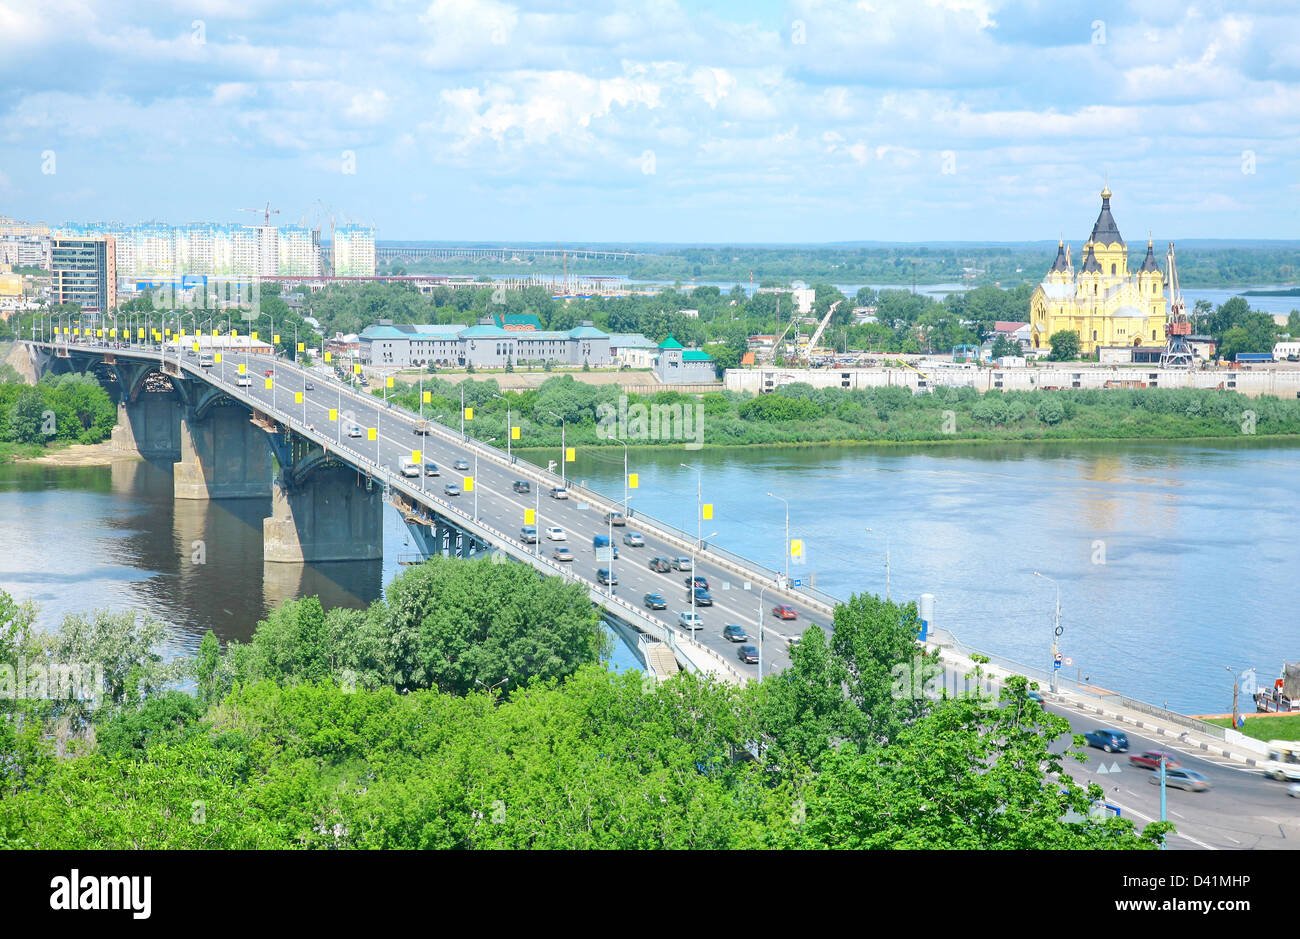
656, 120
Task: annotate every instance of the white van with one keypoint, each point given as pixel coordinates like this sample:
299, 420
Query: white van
410, 468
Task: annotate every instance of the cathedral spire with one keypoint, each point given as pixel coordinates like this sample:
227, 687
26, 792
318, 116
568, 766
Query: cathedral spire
1105, 231
1061, 263
1149, 264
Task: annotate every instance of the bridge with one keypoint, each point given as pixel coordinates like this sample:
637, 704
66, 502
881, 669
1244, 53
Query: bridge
328, 456
399, 252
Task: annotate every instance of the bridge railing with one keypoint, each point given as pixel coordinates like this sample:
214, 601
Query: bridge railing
690, 649
825, 603
741, 566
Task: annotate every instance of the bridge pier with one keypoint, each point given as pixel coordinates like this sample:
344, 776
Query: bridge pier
329, 516
149, 427
223, 456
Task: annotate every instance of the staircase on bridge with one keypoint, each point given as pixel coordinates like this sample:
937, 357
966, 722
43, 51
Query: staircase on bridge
660, 661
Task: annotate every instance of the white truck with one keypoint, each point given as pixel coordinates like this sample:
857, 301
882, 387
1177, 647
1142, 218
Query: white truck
1283, 760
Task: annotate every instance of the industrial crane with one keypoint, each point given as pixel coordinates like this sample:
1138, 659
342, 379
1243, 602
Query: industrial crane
821, 327
1177, 352
266, 214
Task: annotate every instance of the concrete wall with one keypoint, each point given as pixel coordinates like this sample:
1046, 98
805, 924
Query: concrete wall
151, 427
223, 456
330, 517
1281, 382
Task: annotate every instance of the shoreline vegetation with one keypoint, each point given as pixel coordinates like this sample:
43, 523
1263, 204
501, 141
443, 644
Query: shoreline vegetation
800, 415
41, 420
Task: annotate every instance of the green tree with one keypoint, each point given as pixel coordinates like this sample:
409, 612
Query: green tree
1005, 346
1065, 345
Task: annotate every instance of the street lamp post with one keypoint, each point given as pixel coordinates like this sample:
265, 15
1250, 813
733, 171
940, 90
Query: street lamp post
1056, 626
699, 527
1235, 688
476, 449
564, 473
787, 536
509, 433
759, 624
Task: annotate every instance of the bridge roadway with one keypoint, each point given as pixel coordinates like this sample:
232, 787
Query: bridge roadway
581, 516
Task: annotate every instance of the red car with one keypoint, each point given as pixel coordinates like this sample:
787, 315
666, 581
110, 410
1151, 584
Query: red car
1150, 759
784, 612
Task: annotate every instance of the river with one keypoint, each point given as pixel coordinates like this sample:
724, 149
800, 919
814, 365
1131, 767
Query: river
1175, 561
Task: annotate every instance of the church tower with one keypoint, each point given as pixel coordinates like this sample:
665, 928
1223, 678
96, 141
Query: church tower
1107, 243
1102, 302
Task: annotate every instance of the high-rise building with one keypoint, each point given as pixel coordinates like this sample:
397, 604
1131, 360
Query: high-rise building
354, 251
14, 228
84, 272
299, 250
156, 251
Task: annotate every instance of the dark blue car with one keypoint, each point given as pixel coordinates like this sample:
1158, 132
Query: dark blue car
1112, 741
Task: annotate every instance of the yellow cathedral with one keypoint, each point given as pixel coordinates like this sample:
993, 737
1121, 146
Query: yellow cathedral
1102, 302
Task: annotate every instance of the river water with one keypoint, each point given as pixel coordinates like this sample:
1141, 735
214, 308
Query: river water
1174, 561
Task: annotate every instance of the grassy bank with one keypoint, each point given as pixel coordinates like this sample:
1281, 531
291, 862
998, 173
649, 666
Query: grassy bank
11, 452
1265, 728
801, 415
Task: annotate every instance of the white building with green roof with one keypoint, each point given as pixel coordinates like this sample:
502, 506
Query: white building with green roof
676, 365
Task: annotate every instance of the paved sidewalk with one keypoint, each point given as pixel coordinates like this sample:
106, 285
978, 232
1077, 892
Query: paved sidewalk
1108, 704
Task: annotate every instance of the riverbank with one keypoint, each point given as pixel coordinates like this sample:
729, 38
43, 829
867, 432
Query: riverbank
76, 454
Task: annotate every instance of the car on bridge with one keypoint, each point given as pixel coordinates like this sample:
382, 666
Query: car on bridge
634, 539
681, 564
354, 431
1178, 778
410, 468
562, 554
559, 492
748, 654
528, 534
703, 597
689, 619
431, 469
522, 486
615, 518
451, 489
734, 633
243, 381
784, 612
1150, 759
605, 576
654, 601
461, 464
661, 565
697, 581
309, 387
1104, 738
556, 533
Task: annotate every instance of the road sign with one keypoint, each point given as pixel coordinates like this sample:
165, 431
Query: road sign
1069, 661
796, 582
1056, 662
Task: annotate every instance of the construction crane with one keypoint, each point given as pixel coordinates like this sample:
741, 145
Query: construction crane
266, 214
821, 327
776, 344
1178, 351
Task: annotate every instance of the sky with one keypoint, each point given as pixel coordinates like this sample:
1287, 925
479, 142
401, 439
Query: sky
659, 121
